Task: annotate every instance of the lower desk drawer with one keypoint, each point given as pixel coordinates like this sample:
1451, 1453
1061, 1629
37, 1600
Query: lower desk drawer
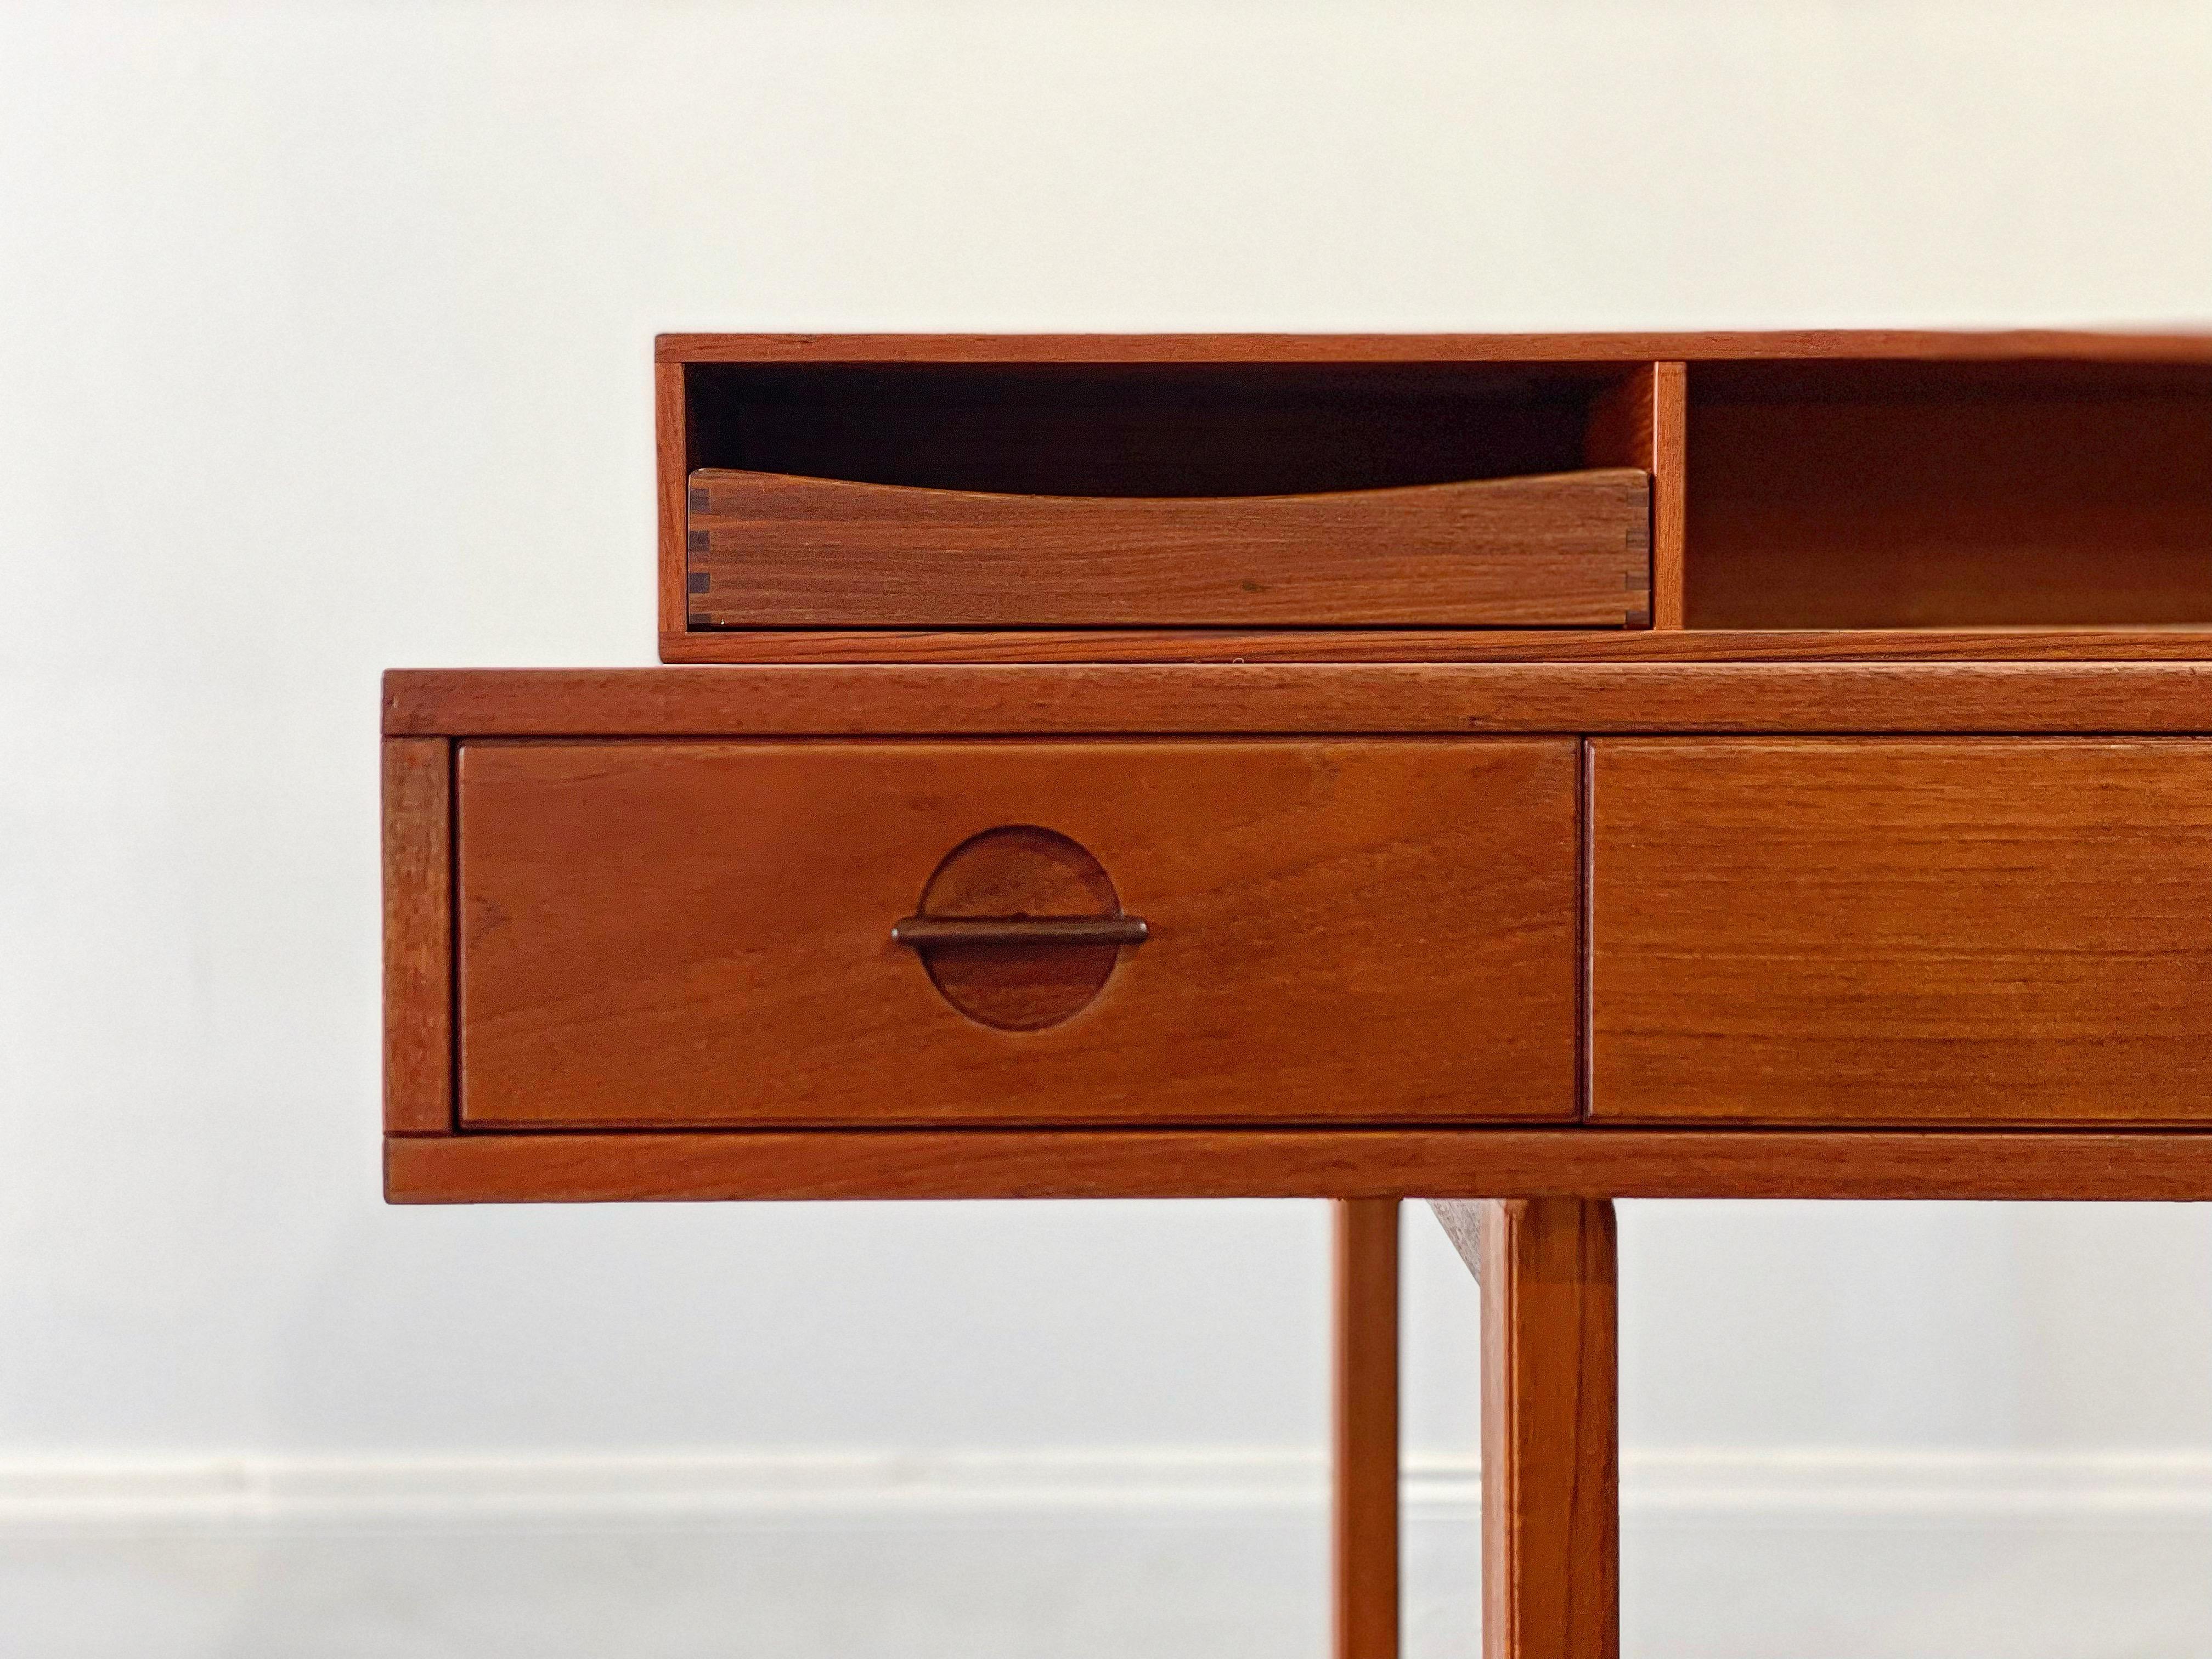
1993, 931
703, 933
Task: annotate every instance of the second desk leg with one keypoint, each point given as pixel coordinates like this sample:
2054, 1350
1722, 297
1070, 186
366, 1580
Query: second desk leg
1365, 1520
1551, 1504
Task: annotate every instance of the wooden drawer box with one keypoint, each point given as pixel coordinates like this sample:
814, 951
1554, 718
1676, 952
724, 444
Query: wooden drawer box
1996, 931
673, 934
936, 490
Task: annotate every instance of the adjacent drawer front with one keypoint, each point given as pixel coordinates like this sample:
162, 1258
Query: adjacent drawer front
671, 934
1984, 930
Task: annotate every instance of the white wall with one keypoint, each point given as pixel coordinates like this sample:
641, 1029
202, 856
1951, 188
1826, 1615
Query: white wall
324, 339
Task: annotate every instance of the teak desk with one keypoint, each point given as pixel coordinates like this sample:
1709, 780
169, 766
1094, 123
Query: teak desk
1522, 771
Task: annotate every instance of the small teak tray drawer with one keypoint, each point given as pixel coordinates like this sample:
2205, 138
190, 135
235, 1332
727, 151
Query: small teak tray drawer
703, 934
1848, 931
767, 549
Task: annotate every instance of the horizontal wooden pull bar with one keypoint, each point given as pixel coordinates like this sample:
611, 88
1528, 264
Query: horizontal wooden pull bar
920, 932
773, 550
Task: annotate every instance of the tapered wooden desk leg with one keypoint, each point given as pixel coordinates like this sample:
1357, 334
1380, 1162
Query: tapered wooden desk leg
1550, 1502
1365, 1520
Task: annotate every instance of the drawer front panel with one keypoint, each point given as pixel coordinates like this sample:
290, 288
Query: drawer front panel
687, 934
1567, 550
1977, 930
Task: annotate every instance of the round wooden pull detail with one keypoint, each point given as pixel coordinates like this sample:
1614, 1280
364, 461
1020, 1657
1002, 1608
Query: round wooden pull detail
1019, 928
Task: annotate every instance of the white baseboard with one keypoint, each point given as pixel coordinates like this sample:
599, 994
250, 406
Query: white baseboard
619, 1492
1807, 1554
1869, 1487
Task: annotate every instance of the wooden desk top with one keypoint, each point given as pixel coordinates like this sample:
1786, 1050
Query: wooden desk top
1225, 699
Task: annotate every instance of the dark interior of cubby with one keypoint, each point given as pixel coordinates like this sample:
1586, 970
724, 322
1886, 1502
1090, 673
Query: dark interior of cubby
1145, 429
1850, 494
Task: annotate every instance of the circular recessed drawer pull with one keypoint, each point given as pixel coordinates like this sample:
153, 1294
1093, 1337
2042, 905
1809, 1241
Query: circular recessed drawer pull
919, 932
1019, 927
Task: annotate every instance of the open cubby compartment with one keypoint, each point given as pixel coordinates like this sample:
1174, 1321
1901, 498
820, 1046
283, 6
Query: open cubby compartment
953, 495
1916, 495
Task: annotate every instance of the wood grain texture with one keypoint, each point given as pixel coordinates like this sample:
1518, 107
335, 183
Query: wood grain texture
1641, 421
1670, 441
672, 466
700, 934
767, 549
1551, 1490
1439, 645
1933, 500
2023, 345
1364, 1514
418, 941
1569, 1160
1254, 699
1990, 931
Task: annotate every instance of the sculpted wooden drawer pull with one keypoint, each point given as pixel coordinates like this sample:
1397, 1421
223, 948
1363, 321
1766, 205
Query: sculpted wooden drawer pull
921, 931
1019, 927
